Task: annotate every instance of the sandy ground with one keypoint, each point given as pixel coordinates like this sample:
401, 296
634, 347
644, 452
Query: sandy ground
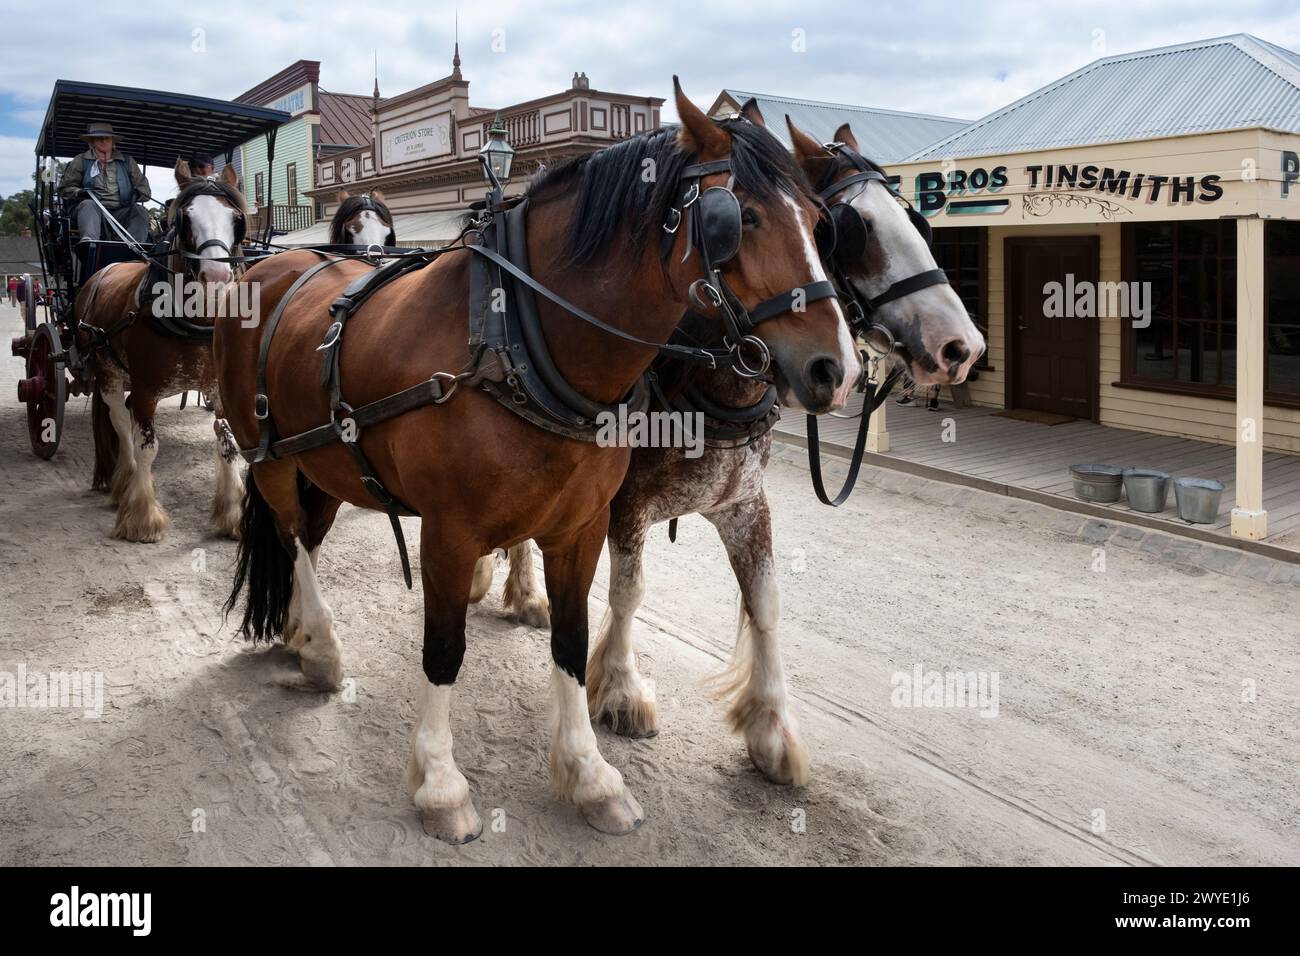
1122, 736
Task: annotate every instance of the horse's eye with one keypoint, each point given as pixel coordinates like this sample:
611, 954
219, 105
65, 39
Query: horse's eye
748, 218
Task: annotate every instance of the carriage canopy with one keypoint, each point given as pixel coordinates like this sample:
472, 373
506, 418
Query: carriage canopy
153, 126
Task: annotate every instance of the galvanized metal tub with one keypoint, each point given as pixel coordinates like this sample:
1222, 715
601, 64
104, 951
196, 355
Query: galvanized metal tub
1198, 499
1146, 489
1098, 483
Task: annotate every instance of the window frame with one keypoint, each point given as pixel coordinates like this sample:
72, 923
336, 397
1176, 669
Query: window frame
1128, 335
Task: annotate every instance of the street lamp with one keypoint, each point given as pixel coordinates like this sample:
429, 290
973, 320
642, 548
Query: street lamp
497, 156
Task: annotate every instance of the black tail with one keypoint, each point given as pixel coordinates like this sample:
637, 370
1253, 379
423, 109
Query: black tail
262, 567
101, 425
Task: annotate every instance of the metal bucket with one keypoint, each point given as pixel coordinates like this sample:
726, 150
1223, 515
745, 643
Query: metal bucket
1147, 490
1097, 483
1198, 499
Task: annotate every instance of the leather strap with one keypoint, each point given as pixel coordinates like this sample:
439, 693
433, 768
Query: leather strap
872, 402
261, 405
922, 280
706, 357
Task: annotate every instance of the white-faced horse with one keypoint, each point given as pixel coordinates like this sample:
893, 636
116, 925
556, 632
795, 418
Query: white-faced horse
937, 342
148, 327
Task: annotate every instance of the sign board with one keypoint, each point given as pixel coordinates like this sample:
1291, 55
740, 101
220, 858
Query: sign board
423, 139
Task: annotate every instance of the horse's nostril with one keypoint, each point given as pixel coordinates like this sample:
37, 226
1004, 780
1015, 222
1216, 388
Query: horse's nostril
825, 373
955, 353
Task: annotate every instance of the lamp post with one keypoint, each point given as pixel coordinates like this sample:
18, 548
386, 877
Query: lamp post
497, 156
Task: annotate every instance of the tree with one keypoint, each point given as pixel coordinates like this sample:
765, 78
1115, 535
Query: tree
16, 213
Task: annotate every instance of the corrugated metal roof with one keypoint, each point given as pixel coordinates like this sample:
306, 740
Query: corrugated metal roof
1232, 82
413, 229
884, 135
344, 119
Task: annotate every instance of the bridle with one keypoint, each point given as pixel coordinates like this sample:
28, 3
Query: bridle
714, 227
367, 203
181, 221
843, 217
861, 309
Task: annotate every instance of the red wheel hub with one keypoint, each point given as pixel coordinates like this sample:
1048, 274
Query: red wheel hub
31, 389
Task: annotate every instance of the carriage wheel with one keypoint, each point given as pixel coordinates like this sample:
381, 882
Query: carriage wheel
44, 390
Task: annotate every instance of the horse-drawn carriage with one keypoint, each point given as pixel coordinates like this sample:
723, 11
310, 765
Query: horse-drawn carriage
154, 128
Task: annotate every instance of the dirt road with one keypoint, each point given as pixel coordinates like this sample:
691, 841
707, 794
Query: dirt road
1145, 713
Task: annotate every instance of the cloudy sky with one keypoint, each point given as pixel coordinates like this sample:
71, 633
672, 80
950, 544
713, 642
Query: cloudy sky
954, 59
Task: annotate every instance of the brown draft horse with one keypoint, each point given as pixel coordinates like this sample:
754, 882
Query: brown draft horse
481, 477
133, 354
362, 221
935, 339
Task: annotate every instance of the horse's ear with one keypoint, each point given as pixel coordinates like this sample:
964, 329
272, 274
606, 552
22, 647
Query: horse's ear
751, 112
699, 134
845, 135
376, 195
183, 174
229, 176
811, 155
342, 196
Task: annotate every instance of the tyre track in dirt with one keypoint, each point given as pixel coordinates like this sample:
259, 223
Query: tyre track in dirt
1091, 716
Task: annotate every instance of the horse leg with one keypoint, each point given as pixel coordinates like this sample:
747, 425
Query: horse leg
309, 624
439, 789
755, 681
522, 599
578, 772
106, 441
139, 515
227, 499
617, 692
484, 571
119, 417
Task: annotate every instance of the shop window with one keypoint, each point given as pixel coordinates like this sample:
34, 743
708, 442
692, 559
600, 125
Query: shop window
257, 190
1181, 266
1191, 273
1282, 332
962, 252
291, 179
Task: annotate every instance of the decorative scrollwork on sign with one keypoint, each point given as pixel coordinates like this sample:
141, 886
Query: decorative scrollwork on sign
1042, 204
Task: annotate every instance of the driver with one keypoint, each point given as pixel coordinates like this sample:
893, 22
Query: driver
114, 178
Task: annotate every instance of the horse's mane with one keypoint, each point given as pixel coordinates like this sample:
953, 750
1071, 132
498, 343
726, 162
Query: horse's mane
203, 185
613, 191
353, 205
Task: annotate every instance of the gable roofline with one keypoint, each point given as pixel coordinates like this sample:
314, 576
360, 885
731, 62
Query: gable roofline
740, 96
1278, 60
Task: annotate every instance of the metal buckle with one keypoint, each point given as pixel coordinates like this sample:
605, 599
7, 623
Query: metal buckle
331, 336
675, 217
692, 194
261, 407
377, 254
701, 290
879, 330
743, 368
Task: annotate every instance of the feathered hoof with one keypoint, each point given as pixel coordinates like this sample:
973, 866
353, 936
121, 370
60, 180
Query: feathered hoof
144, 525
324, 672
778, 754
454, 825
615, 815
226, 520
534, 611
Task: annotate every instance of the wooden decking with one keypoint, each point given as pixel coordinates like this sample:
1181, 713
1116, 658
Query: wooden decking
1018, 457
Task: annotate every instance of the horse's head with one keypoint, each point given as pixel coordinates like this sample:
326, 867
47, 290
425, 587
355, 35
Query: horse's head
210, 218
362, 220
930, 327
752, 224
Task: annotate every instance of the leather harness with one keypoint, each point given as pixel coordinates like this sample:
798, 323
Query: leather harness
509, 357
